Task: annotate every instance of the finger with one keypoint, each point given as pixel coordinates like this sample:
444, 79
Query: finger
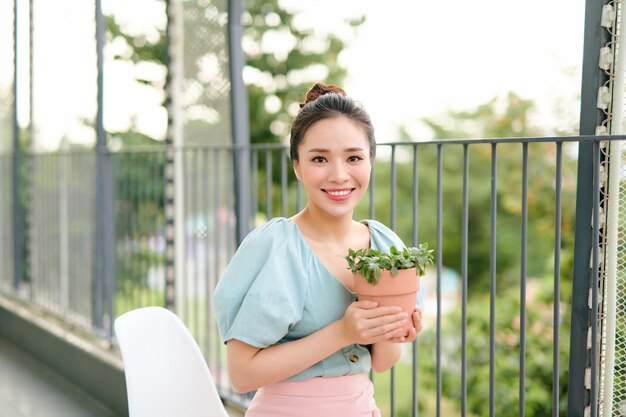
412, 334
382, 311
418, 327
366, 304
417, 319
398, 318
396, 340
417, 323
397, 336
387, 330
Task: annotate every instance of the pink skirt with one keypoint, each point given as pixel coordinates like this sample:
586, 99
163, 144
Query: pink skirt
344, 396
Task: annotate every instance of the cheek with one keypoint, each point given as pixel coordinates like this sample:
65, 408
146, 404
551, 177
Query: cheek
307, 174
367, 173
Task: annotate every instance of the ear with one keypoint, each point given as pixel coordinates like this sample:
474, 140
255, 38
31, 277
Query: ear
296, 170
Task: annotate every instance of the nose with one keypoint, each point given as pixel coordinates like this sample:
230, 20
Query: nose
339, 173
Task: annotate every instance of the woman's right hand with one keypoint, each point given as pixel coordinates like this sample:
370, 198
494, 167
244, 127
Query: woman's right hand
366, 323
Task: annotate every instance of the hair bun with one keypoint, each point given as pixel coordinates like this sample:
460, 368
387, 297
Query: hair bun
320, 89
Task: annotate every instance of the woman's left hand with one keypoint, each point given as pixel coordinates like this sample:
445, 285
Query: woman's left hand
413, 331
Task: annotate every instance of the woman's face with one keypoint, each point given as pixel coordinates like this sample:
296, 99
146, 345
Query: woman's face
334, 165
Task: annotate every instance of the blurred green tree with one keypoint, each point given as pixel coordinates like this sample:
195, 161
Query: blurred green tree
506, 117
283, 59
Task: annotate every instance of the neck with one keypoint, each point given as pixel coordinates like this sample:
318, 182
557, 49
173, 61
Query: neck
323, 227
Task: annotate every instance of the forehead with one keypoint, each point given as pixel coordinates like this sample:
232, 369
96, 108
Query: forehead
338, 131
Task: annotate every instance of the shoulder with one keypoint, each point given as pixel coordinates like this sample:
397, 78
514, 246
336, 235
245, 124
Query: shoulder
377, 227
275, 229
271, 239
383, 236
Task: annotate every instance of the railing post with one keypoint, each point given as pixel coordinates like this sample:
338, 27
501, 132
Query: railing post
18, 214
240, 120
590, 118
103, 287
174, 214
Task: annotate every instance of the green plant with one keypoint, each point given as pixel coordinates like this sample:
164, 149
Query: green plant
370, 262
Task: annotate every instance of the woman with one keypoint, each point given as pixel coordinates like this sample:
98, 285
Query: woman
285, 305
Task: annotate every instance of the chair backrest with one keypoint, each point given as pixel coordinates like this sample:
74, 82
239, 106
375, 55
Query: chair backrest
166, 373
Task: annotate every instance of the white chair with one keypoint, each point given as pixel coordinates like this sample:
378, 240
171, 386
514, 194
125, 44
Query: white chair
166, 373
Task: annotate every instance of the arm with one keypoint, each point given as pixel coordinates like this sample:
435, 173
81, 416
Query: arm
250, 367
386, 354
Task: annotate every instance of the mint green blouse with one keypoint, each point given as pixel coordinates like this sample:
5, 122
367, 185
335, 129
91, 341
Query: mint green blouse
276, 290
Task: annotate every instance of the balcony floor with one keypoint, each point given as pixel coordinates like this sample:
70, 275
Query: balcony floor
30, 389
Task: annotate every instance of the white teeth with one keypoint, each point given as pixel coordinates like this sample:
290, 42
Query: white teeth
339, 193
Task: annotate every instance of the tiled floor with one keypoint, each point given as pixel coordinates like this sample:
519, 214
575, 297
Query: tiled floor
29, 389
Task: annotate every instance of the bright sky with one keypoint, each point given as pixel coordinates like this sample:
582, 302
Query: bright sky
414, 59
410, 60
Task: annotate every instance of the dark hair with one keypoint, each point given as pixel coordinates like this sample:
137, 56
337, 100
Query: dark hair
326, 101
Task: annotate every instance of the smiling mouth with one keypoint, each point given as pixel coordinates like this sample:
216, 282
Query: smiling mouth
339, 193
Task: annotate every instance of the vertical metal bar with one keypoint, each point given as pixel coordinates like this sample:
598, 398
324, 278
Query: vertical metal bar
464, 240
371, 188
209, 276
268, 184
195, 238
231, 232
18, 230
218, 252
593, 77
557, 280
100, 27
254, 187
522, 353
144, 263
172, 169
122, 195
43, 286
283, 183
492, 280
143, 221
183, 303
392, 404
371, 216
393, 187
159, 224
63, 227
135, 227
25, 206
593, 401
414, 357
439, 259
109, 252
100, 261
239, 119
392, 373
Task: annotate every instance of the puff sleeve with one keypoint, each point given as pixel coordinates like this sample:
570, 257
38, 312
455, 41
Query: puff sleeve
261, 294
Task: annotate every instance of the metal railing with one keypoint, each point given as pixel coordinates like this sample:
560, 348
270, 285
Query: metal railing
499, 213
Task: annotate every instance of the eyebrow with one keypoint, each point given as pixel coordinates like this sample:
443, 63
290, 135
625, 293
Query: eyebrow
322, 150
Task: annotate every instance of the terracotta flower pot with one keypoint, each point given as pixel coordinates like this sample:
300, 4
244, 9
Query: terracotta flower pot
400, 290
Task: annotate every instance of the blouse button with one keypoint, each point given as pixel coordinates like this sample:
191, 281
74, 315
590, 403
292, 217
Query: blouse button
353, 358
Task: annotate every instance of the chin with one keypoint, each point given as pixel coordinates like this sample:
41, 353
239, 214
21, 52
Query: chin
341, 213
